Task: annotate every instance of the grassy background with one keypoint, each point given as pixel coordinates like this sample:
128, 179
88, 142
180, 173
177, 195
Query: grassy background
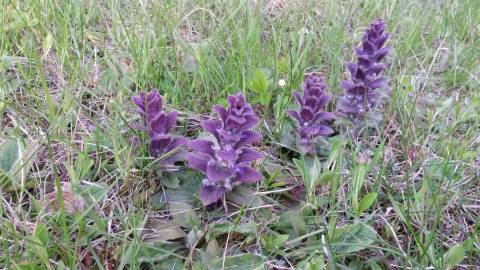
68, 70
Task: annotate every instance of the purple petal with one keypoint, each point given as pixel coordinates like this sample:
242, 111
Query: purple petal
229, 136
249, 137
221, 111
140, 112
154, 104
360, 75
248, 175
170, 121
309, 131
298, 98
217, 172
323, 101
198, 161
325, 116
347, 106
381, 53
314, 131
140, 101
231, 100
252, 121
202, 146
380, 41
174, 150
235, 123
177, 142
157, 124
227, 155
159, 144
346, 84
249, 154
311, 101
306, 114
163, 122
377, 83
294, 115
359, 50
212, 127
353, 89
352, 67
375, 69
211, 194
368, 47
363, 61
163, 144
325, 130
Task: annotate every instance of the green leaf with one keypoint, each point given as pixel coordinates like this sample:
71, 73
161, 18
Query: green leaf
171, 263
399, 209
157, 200
157, 230
95, 191
213, 250
260, 84
183, 214
366, 202
47, 44
101, 141
223, 228
270, 242
39, 249
16, 161
41, 232
243, 195
315, 263
239, 262
298, 223
325, 178
358, 178
353, 238
468, 244
183, 195
151, 253
28, 266
445, 106
454, 256
170, 180
8, 154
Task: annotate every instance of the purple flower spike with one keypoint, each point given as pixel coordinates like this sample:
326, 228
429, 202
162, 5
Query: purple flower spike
361, 93
312, 121
226, 162
158, 124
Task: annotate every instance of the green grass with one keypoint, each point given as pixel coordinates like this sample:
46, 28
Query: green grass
68, 71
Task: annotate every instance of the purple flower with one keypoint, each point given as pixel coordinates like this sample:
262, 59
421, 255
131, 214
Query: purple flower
361, 93
226, 161
312, 121
158, 124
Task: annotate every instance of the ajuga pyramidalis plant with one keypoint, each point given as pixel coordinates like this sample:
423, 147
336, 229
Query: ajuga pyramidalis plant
226, 161
366, 79
158, 124
311, 119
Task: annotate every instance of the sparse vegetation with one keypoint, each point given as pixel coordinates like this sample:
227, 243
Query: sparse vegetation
90, 179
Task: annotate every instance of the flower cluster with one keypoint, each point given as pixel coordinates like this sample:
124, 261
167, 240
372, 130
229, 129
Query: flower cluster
158, 124
312, 121
361, 93
226, 161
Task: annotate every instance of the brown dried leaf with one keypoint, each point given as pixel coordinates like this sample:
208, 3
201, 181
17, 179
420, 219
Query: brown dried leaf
161, 230
73, 203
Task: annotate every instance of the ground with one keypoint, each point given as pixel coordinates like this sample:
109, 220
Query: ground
80, 191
